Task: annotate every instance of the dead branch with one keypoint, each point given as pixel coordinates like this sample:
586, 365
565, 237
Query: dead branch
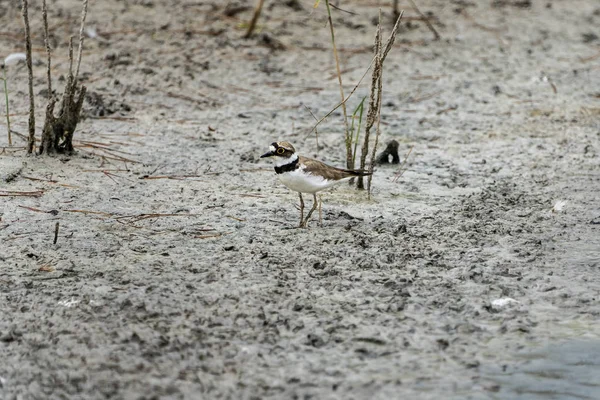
57, 135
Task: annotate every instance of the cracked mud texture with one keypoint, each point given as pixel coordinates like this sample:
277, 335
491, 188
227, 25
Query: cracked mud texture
218, 296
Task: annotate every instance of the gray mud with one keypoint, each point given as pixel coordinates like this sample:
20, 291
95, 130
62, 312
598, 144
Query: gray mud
219, 297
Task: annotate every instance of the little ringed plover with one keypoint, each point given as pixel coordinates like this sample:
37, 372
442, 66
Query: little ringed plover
305, 175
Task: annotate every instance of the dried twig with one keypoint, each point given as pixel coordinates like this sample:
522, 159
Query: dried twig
427, 22
257, 11
55, 233
402, 170
316, 131
212, 236
258, 196
589, 58
342, 10
136, 218
90, 212
31, 138
11, 193
174, 177
33, 209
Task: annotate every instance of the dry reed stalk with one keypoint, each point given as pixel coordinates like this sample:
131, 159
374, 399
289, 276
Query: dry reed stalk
347, 136
31, 138
81, 36
48, 52
374, 113
373, 103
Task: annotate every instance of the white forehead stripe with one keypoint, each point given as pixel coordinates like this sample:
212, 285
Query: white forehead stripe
272, 148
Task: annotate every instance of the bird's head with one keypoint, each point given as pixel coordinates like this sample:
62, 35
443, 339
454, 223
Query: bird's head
281, 150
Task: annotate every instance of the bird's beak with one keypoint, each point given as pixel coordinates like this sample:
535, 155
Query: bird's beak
269, 154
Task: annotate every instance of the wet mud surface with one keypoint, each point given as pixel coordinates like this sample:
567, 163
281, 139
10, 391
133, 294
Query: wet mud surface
178, 271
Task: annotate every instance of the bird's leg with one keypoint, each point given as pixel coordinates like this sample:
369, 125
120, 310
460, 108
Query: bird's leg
320, 211
302, 224
314, 207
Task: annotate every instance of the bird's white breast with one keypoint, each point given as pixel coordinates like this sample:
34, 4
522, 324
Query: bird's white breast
301, 181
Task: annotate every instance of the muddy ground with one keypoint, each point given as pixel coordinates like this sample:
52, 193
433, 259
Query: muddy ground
177, 271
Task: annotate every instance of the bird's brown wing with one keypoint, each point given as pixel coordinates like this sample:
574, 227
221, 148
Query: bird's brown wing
327, 171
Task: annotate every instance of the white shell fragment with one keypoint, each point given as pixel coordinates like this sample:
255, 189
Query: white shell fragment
559, 205
14, 58
503, 302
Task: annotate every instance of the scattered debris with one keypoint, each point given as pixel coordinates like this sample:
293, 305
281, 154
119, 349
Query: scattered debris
503, 302
559, 205
69, 303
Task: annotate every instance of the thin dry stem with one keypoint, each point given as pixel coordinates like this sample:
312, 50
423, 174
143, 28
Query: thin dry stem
392, 37
377, 130
316, 131
402, 170
80, 49
71, 56
257, 11
31, 138
346, 99
348, 138
48, 52
427, 22
373, 102
56, 227
395, 9
7, 106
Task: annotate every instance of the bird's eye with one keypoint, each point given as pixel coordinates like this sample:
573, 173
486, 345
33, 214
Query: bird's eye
280, 150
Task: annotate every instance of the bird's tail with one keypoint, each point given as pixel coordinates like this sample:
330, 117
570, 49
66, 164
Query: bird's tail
357, 172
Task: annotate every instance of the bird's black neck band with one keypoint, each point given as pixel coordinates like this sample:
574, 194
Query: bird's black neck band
287, 167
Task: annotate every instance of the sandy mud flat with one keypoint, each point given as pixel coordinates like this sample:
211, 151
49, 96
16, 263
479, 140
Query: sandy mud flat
178, 271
